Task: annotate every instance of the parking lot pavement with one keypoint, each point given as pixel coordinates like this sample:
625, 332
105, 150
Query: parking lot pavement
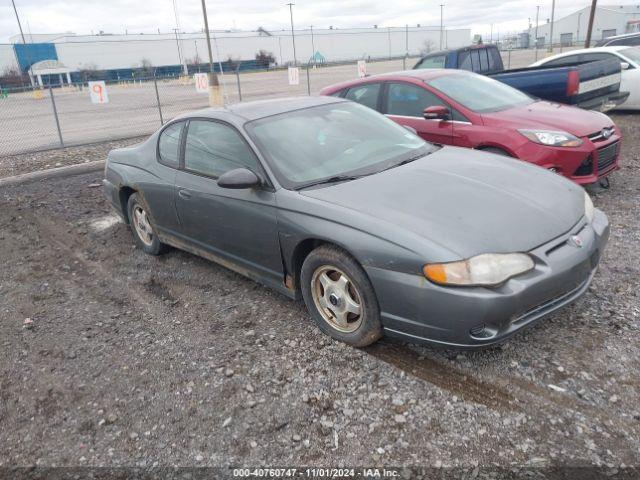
111, 357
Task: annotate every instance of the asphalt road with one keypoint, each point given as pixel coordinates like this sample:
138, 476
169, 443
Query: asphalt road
110, 357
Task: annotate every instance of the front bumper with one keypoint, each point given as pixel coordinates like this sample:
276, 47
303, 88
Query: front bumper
466, 317
584, 165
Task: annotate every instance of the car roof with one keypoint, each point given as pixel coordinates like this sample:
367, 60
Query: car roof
247, 111
579, 51
424, 74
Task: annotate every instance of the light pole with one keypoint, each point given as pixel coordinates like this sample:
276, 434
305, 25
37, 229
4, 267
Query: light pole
553, 12
293, 37
18, 19
313, 47
175, 30
578, 29
214, 85
536, 34
491, 34
441, 24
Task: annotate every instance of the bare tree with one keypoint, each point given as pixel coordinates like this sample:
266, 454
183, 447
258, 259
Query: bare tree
427, 47
146, 67
264, 58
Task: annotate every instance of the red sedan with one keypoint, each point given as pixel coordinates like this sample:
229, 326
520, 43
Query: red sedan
456, 107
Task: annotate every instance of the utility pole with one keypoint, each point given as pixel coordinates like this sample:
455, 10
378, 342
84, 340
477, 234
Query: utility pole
214, 86
491, 34
175, 30
553, 12
293, 37
441, 23
313, 47
535, 40
18, 19
592, 14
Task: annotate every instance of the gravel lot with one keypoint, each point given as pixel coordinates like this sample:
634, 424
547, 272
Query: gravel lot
110, 357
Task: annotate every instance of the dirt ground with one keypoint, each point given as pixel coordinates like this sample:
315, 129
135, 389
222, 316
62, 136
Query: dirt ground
110, 357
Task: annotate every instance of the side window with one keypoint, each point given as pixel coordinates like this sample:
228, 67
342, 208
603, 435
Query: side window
169, 145
436, 61
456, 116
213, 148
366, 95
409, 100
594, 57
559, 62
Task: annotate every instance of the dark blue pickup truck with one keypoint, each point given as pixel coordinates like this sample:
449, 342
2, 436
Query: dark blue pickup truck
593, 86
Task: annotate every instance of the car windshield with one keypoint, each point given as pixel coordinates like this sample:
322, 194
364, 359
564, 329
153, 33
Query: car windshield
333, 142
632, 53
479, 93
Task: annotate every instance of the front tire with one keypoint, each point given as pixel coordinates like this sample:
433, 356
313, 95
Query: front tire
144, 233
340, 297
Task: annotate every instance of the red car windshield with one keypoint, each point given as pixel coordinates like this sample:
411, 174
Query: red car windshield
479, 93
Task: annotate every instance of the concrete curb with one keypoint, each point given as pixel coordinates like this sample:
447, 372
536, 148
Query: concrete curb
66, 171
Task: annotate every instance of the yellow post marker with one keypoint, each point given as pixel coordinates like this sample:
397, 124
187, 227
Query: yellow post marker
215, 95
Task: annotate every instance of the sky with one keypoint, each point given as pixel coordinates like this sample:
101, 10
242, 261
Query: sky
147, 16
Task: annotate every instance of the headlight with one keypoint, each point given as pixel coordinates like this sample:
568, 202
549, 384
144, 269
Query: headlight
554, 139
588, 207
483, 270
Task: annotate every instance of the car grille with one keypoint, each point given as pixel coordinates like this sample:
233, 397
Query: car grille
607, 156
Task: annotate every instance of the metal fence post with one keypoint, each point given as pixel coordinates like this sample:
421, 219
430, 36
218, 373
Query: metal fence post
509, 61
155, 84
308, 81
238, 81
55, 115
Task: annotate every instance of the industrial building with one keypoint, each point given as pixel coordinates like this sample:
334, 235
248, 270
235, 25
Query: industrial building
122, 53
609, 20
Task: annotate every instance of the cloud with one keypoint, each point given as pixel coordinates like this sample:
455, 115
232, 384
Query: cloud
118, 16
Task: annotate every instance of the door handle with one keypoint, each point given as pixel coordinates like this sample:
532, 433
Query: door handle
184, 194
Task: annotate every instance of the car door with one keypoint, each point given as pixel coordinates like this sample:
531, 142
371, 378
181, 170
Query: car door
237, 225
158, 190
405, 104
630, 81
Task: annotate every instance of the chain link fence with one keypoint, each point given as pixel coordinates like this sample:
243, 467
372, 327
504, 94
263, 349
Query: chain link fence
33, 119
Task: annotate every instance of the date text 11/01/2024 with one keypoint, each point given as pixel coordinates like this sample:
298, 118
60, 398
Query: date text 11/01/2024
316, 473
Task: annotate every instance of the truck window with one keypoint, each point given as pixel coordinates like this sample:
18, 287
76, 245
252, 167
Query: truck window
436, 61
495, 60
594, 57
631, 41
484, 60
464, 61
475, 60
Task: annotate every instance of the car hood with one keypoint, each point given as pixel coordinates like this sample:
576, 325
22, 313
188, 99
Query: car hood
550, 116
468, 201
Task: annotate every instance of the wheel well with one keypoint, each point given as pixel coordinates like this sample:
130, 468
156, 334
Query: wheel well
125, 193
494, 148
302, 250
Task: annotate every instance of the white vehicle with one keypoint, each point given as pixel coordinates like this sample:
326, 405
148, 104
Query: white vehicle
629, 63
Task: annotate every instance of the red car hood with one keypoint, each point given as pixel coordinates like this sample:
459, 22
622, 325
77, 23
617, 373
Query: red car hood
550, 116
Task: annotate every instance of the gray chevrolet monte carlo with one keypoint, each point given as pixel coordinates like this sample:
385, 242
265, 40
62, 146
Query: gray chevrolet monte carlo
378, 231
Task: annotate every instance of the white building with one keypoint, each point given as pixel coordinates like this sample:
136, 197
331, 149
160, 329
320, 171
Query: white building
106, 51
609, 20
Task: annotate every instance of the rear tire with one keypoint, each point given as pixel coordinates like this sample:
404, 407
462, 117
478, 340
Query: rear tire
340, 297
142, 228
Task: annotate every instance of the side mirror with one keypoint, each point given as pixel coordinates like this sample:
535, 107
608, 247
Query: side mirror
239, 178
624, 66
411, 129
436, 112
